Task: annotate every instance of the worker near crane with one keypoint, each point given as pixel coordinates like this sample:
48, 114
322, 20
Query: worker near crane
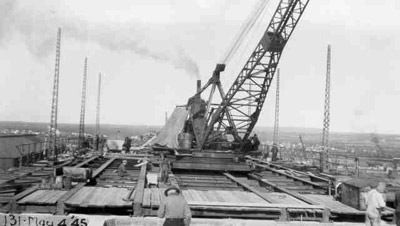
165, 168
274, 151
375, 204
174, 208
127, 144
255, 142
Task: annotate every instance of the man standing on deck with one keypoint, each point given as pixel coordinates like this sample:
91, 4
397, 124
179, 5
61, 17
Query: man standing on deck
122, 170
375, 204
255, 142
174, 208
165, 168
274, 151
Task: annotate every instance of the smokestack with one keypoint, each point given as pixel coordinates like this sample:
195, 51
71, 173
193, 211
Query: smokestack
198, 86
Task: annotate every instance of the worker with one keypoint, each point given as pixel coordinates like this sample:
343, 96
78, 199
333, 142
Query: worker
174, 208
122, 169
255, 142
397, 206
127, 144
165, 168
375, 204
274, 151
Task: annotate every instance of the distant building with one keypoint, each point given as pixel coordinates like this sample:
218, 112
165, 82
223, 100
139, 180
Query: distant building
20, 150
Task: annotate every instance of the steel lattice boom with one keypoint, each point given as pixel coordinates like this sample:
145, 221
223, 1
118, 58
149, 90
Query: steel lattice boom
325, 131
52, 138
258, 72
276, 125
81, 138
98, 107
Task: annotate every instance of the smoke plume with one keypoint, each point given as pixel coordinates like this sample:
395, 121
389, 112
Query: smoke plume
38, 30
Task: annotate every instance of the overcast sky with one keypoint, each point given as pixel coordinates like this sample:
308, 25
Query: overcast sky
152, 51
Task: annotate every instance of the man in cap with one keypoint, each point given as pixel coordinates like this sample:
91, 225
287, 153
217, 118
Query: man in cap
174, 208
375, 204
122, 170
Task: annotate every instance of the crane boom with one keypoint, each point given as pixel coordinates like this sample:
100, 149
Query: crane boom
257, 73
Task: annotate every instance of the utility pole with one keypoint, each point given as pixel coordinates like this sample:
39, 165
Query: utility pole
166, 118
98, 108
81, 138
276, 125
324, 156
52, 138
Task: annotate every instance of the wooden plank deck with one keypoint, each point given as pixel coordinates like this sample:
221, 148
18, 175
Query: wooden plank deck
42, 197
335, 206
98, 197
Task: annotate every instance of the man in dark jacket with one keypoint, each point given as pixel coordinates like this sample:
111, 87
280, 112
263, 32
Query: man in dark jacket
255, 142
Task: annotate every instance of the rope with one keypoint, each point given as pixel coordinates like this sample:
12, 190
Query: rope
245, 29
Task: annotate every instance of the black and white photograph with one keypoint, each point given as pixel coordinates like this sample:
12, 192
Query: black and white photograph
199, 112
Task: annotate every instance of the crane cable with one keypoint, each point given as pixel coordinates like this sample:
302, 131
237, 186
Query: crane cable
246, 45
245, 29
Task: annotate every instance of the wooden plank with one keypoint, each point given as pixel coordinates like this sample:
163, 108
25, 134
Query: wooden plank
12, 206
286, 168
32, 197
186, 194
87, 161
117, 201
80, 196
58, 195
256, 205
102, 167
137, 211
147, 198
44, 194
216, 195
92, 192
61, 201
196, 195
47, 196
155, 197
100, 200
110, 196
248, 187
294, 194
294, 177
65, 197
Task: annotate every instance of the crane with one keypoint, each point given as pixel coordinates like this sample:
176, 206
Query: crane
52, 137
98, 113
81, 138
231, 118
324, 155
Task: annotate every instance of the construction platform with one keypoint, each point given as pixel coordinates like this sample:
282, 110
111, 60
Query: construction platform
260, 191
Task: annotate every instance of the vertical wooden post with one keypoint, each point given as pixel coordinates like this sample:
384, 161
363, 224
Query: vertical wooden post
326, 215
284, 214
138, 199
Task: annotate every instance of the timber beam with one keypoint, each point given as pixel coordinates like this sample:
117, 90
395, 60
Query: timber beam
138, 198
248, 187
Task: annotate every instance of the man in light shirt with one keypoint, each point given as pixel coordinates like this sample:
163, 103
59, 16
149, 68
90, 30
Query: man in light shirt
375, 203
174, 208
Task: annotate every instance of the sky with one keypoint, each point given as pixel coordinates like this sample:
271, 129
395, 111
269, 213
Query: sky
150, 53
